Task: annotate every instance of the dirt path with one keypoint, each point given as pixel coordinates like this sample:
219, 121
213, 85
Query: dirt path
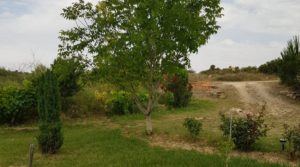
255, 93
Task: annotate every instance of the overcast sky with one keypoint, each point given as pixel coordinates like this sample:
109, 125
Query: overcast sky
253, 32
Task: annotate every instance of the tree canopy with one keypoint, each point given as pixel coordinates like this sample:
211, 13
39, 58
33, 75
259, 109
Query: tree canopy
289, 68
135, 42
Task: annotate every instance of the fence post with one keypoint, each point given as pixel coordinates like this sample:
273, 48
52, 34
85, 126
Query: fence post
31, 151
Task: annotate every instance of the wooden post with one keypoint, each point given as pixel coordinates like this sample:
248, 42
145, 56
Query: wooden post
230, 127
31, 151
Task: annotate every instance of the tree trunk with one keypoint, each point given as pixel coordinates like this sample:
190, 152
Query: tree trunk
148, 124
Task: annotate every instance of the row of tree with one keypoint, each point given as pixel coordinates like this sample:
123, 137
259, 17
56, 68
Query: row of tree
216, 70
287, 67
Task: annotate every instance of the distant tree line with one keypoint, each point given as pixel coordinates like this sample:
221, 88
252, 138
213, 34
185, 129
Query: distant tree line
216, 70
9, 77
270, 67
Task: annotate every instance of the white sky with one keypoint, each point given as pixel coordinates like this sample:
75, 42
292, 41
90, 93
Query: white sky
253, 32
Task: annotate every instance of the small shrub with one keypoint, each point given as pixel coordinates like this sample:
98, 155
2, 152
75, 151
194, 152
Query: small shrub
293, 137
50, 138
120, 103
167, 98
86, 101
101, 99
245, 131
180, 87
69, 72
193, 126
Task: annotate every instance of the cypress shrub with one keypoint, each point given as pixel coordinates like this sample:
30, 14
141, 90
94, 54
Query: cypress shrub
50, 138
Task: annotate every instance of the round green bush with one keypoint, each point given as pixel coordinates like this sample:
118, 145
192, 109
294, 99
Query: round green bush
245, 131
193, 126
16, 105
120, 103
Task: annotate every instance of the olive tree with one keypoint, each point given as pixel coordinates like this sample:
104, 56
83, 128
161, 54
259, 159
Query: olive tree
135, 42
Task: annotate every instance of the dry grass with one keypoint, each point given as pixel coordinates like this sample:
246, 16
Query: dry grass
239, 76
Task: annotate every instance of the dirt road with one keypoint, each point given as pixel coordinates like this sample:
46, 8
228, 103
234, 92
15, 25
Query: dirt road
254, 93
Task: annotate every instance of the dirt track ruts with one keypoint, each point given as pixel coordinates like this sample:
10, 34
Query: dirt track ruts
253, 93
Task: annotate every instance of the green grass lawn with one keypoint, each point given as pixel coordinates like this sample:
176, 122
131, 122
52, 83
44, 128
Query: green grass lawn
93, 142
93, 145
168, 125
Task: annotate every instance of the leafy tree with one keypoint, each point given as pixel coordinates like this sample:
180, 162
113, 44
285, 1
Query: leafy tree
133, 43
250, 69
212, 67
50, 138
270, 67
69, 72
289, 67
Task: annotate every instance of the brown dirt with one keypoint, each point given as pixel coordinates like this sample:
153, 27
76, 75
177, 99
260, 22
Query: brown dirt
156, 140
255, 93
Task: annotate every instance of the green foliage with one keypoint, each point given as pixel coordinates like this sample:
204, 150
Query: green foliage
16, 104
134, 43
69, 72
12, 78
270, 67
289, 68
193, 126
293, 137
178, 84
245, 131
122, 103
212, 68
50, 138
167, 98
230, 70
250, 69
225, 148
87, 101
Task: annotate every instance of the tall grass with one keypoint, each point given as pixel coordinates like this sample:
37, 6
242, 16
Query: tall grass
230, 76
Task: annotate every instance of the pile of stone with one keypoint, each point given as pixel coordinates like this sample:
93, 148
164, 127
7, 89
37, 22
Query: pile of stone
291, 94
218, 94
